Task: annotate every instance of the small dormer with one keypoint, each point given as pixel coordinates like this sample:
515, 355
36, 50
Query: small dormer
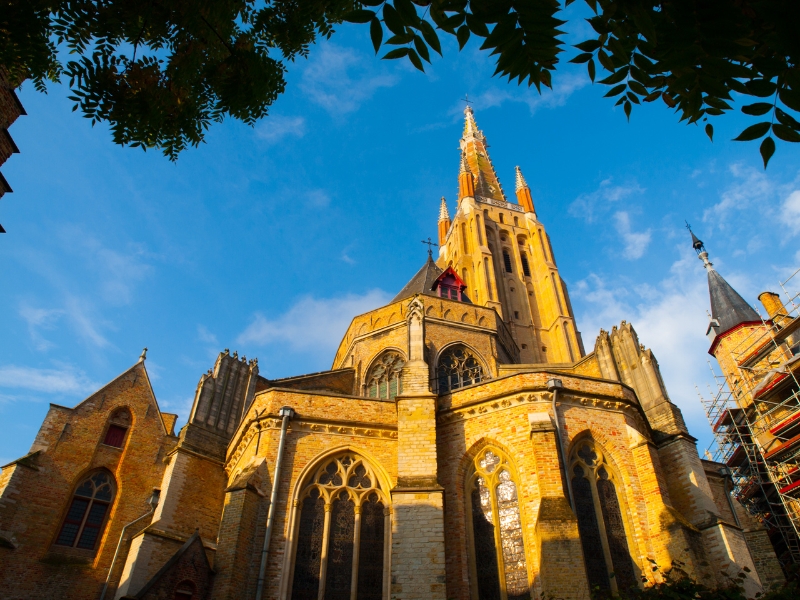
449, 285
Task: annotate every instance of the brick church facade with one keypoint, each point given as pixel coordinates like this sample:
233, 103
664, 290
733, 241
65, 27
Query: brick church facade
462, 446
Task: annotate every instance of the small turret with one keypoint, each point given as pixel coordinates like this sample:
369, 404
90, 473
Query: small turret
444, 222
466, 181
523, 192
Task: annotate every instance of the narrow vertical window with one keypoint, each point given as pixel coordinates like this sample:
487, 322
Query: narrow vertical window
569, 342
345, 491
340, 548
370, 572
600, 522
488, 280
558, 296
507, 261
464, 238
478, 226
526, 269
118, 425
498, 551
86, 518
501, 218
541, 242
309, 547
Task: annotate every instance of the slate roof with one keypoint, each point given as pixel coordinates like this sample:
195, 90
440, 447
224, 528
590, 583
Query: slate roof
422, 282
728, 308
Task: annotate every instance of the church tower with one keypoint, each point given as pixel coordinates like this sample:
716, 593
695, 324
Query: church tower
502, 253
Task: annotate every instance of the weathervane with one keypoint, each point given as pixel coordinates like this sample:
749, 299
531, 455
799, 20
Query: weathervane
430, 245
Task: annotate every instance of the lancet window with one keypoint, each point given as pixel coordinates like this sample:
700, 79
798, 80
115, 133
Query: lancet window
385, 378
507, 260
457, 368
118, 426
343, 523
526, 269
86, 517
609, 566
499, 569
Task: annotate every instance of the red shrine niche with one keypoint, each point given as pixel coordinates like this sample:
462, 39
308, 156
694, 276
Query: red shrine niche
450, 285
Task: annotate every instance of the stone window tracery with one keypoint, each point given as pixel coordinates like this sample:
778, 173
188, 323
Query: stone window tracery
385, 377
498, 551
85, 520
609, 566
343, 519
457, 368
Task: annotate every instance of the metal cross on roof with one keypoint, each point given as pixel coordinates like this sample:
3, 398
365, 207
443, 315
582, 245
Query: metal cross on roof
467, 100
430, 245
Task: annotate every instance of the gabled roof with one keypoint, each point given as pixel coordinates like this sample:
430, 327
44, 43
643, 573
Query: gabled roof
427, 279
728, 308
422, 282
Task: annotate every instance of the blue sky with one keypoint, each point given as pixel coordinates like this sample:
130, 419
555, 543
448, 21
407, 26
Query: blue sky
268, 240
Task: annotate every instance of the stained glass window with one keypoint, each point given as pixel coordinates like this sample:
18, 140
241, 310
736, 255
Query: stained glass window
609, 566
385, 378
457, 368
345, 500
498, 547
86, 516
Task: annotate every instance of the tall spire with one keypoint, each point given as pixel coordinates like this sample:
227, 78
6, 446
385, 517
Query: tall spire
473, 148
466, 182
728, 308
444, 222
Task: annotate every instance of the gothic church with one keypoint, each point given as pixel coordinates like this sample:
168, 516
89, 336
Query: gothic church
463, 445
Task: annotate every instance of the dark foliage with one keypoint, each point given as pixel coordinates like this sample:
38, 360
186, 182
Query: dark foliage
160, 72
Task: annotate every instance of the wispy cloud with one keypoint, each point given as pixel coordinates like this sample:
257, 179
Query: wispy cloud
65, 380
39, 319
590, 206
749, 187
791, 211
205, 336
339, 79
670, 318
318, 199
635, 242
312, 324
275, 128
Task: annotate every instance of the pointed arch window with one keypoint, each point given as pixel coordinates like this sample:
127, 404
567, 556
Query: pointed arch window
609, 566
118, 426
526, 269
498, 565
385, 377
457, 368
343, 519
86, 518
507, 260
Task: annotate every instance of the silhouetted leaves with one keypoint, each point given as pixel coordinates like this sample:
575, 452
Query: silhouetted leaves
160, 73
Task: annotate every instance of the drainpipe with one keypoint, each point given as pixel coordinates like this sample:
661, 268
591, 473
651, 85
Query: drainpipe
286, 413
153, 502
554, 385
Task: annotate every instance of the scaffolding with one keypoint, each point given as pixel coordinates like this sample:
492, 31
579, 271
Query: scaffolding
755, 416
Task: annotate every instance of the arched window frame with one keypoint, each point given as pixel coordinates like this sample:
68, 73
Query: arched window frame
394, 376
118, 427
81, 514
526, 269
492, 479
310, 482
594, 464
481, 364
507, 260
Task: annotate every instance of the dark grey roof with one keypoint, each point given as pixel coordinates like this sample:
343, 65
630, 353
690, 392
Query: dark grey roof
728, 308
422, 282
